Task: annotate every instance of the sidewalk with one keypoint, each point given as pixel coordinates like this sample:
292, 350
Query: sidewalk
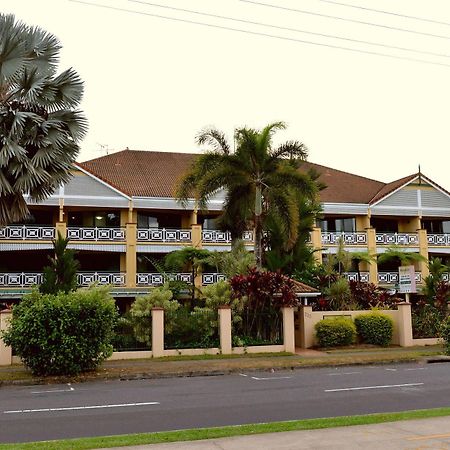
411, 434
200, 366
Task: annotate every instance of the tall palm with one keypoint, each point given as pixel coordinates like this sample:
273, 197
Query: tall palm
40, 127
258, 179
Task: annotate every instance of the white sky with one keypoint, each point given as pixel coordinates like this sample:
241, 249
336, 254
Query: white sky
153, 83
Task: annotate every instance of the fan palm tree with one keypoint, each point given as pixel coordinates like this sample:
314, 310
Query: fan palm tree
259, 180
40, 127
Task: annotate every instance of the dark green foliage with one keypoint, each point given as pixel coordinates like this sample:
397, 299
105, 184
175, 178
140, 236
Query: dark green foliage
259, 179
426, 320
63, 334
61, 275
375, 328
188, 259
445, 334
436, 290
335, 332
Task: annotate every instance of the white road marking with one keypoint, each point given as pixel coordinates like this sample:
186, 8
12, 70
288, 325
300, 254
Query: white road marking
271, 378
418, 368
342, 373
73, 408
71, 389
374, 387
243, 375
391, 370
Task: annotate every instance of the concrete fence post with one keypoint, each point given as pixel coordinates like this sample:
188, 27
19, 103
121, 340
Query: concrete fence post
225, 329
405, 324
157, 332
5, 351
306, 327
288, 329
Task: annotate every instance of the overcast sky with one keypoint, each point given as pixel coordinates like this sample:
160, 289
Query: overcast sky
152, 83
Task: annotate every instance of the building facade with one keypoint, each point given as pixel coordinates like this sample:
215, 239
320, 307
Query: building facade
120, 214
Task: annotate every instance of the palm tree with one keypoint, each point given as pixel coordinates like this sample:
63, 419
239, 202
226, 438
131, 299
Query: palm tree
40, 127
258, 179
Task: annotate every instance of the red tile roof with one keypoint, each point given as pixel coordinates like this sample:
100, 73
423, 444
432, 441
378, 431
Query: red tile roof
154, 174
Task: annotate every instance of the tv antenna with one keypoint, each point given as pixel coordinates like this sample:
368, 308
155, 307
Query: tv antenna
103, 148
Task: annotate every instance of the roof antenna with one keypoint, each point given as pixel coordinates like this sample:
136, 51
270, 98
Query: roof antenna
420, 176
103, 147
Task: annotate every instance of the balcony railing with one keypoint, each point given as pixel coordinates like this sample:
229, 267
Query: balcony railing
223, 237
438, 239
157, 279
348, 238
354, 276
392, 277
20, 279
97, 234
28, 279
27, 232
211, 278
446, 277
397, 239
163, 235
102, 278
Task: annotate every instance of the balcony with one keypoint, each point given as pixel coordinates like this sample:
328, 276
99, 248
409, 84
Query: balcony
411, 239
438, 240
27, 233
348, 238
164, 235
96, 234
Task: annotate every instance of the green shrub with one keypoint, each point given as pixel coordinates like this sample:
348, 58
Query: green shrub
141, 312
335, 332
375, 328
63, 333
445, 334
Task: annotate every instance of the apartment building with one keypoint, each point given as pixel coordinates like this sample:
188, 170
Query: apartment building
120, 214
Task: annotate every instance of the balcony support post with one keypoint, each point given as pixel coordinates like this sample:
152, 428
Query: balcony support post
372, 249
423, 250
130, 259
61, 229
316, 242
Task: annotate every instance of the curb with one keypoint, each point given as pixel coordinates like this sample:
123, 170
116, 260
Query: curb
308, 364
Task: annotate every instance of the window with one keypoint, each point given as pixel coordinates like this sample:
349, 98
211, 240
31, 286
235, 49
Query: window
338, 225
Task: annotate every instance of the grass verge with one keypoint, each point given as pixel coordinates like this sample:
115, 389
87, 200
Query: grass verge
219, 432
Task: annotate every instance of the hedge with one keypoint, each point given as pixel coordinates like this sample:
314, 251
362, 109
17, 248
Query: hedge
375, 328
335, 332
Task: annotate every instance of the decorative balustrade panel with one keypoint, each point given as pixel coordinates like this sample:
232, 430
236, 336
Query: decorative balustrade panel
354, 238
223, 237
211, 278
354, 276
96, 234
397, 238
102, 278
392, 277
26, 232
439, 239
163, 235
20, 279
446, 277
157, 279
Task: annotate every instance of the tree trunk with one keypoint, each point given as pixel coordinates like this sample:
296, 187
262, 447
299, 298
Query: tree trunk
258, 227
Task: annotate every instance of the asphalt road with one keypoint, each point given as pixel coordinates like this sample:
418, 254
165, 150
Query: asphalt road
117, 407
